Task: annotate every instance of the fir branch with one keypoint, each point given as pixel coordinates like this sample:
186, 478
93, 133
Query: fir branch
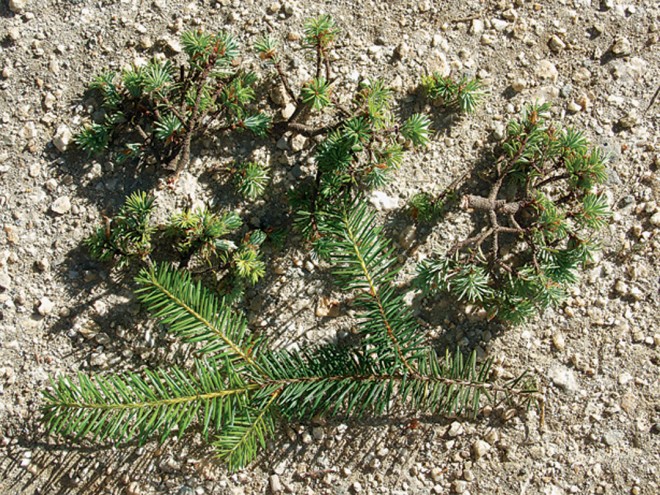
121, 407
195, 314
364, 262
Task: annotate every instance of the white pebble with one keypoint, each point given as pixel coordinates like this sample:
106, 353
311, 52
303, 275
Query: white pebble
46, 306
61, 205
62, 138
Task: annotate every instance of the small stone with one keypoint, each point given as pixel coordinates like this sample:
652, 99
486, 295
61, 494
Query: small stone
621, 47
479, 449
318, 433
468, 475
383, 202
573, 107
487, 40
655, 219
424, 6
518, 84
563, 378
298, 143
455, 429
306, 438
100, 360
621, 288
558, 341
18, 6
584, 101
459, 486
173, 45
611, 438
437, 474
51, 185
29, 131
628, 121
477, 26
547, 70
402, 51
275, 484
288, 111
43, 265
61, 205
625, 378
169, 465
134, 488
357, 487
556, 44
273, 8
62, 138
499, 24
5, 281
46, 306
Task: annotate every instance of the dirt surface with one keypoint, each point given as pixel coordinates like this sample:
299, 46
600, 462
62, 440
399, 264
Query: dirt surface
597, 357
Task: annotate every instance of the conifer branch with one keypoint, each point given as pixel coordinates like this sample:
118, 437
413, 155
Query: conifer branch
194, 313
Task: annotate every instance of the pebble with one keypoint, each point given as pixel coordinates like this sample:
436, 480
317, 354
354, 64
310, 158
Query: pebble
459, 486
573, 107
43, 265
518, 84
63, 137
559, 341
18, 6
46, 306
499, 24
173, 45
479, 449
61, 205
655, 219
556, 44
29, 131
5, 281
625, 378
437, 474
563, 378
628, 121
288, 111
298, 142
621, 288
318, 433
621, 47
477, 26
547, 70
275, 484
383, 202
455, 429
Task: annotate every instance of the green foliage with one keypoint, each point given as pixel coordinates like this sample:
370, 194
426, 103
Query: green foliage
543, 202
251, 179
320, 32
157, 110
127, 235
464, 94
202, 232
316, 93
242, 387
359, 155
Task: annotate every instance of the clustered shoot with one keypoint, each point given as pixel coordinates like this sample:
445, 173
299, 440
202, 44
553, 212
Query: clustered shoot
542, 213
198, 235
463, 95
155, 111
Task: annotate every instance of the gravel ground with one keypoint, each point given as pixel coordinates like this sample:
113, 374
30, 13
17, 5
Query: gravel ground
596, 357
